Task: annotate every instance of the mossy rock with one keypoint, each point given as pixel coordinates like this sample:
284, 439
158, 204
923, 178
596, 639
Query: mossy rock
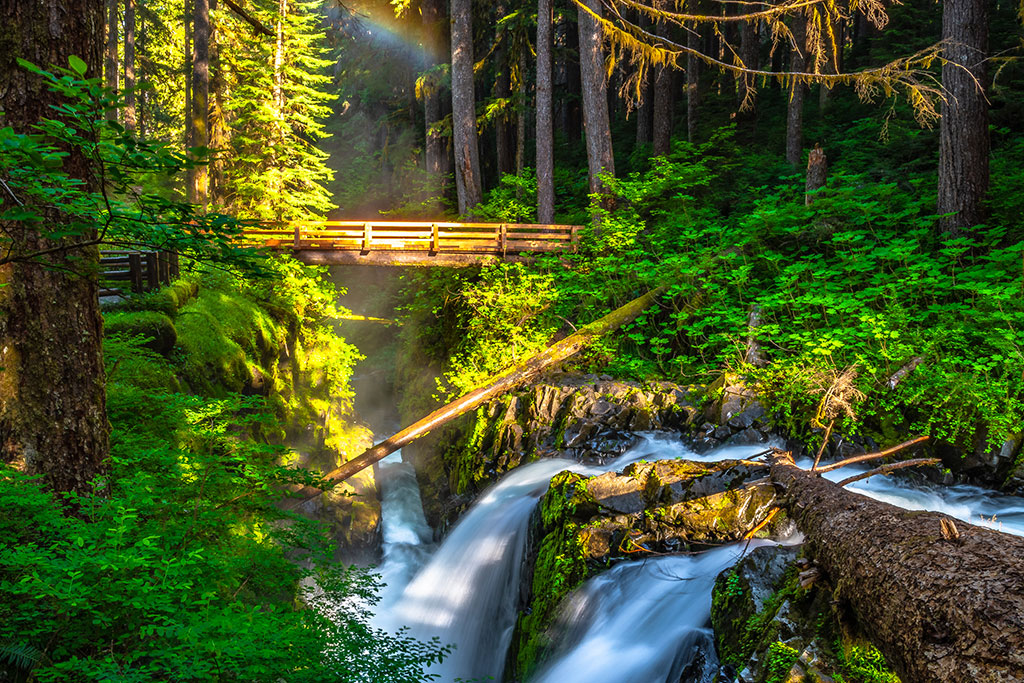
586, 524
155, 326
167, 300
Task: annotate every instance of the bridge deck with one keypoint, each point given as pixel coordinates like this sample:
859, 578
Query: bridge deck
413, 243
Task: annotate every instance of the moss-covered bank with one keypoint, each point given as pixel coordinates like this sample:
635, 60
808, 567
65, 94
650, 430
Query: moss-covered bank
218, 336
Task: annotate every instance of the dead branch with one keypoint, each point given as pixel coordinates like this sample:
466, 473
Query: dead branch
886, 469
873, 456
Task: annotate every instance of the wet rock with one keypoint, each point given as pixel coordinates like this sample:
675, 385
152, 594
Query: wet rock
585, 417
586, 524
768, 627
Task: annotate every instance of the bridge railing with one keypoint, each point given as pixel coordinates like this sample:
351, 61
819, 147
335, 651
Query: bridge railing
433, 237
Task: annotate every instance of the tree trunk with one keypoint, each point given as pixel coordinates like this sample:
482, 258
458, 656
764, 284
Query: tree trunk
199, 117
545, 132
111, 72
750, 46
522, 111
467, 155
187, 86
52, 399
217, 120
942, 603
595, 97
503, 90
574, 87
795, 109
130, 118
693, 41
662, 126
436, 148
817, 173
497, 385
963, 132
644, 116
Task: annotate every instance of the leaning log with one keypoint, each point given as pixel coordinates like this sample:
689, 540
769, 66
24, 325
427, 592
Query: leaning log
943, 600
494, 386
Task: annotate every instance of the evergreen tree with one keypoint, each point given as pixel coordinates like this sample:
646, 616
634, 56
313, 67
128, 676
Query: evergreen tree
277, 107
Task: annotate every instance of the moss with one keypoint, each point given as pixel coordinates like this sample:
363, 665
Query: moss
862, 662
560, 568
167, 300
781, 659
739, 630
154, 326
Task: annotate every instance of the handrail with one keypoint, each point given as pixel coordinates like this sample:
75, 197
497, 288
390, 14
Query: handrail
431, 237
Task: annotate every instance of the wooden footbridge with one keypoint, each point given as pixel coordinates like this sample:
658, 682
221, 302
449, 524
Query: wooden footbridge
398, 243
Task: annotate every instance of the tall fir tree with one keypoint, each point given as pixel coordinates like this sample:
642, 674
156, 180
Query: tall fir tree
276, 112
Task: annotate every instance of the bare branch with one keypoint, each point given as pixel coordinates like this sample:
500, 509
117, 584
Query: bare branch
873, 456
886, 469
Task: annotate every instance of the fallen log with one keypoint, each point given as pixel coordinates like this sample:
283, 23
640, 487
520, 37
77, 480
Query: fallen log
944, 601
494, 386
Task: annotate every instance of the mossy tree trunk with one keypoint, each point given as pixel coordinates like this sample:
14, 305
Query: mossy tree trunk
52, 401
942, 602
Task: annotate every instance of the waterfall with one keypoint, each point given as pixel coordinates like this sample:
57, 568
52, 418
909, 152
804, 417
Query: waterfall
640, 622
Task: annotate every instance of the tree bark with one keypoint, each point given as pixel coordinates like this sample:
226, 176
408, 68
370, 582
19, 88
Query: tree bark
522, 113
495, 386
963, 132
817, 173
545, 131
797, 89
199, 117
663, 101
573, 124
52, 399
111, 72
941, 606
503, 89
595, 97
467, 155
130, 118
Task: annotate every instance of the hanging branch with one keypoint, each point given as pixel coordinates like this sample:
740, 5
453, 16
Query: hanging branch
909, 75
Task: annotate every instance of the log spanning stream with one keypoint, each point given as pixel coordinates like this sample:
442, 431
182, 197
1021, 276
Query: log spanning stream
640, 621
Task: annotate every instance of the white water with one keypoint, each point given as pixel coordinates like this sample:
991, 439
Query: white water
640, 622
666, 600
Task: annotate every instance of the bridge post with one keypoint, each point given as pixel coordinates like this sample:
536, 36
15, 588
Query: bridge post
152, 271
298, 236
367, 236
135, 271
503, 239
435, 238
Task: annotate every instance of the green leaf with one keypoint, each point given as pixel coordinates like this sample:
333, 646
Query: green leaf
77, 65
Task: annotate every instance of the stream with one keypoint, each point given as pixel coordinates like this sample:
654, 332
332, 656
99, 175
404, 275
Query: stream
641, 621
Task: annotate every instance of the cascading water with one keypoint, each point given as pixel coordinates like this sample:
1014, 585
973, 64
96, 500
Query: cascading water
641, 621
406, 538
648, 618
